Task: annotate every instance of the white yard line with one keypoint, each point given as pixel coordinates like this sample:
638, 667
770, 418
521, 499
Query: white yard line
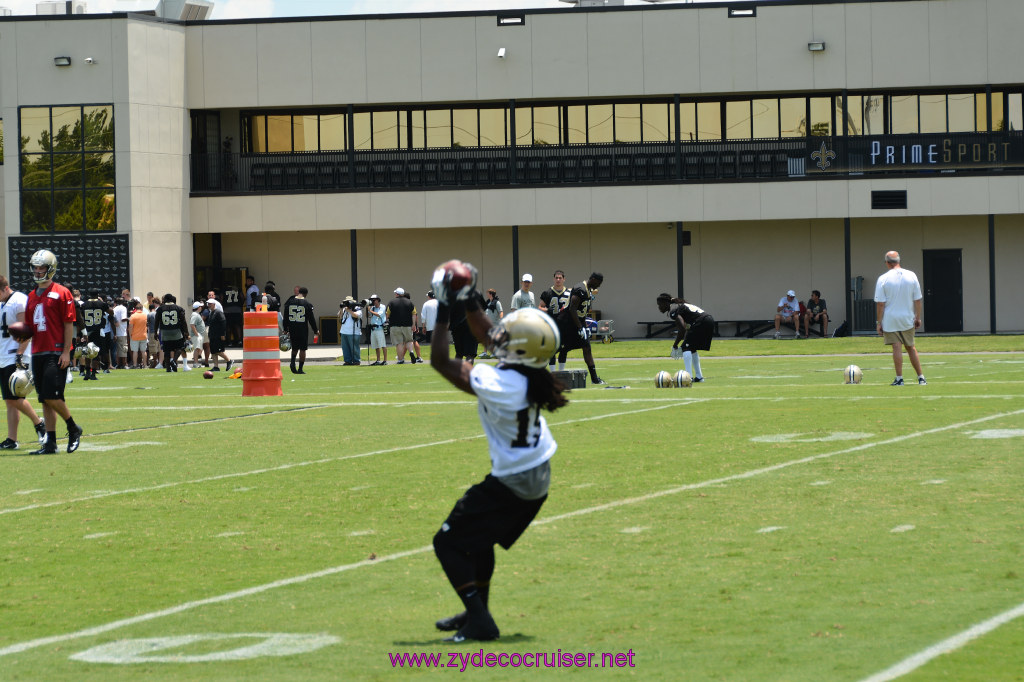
293, 465
296, 580
912, 663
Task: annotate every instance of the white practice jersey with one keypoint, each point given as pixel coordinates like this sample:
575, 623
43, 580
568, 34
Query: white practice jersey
8, 315
517, 435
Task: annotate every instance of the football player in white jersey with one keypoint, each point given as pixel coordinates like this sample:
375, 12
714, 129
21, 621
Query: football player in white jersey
14, 355
510, 398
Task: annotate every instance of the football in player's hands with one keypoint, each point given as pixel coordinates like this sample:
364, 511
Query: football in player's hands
20, 330
457, 277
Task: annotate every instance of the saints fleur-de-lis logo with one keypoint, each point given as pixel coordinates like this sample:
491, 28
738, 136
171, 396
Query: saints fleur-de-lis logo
823, 156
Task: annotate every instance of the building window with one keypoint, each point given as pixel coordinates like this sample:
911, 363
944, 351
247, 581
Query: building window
67, 169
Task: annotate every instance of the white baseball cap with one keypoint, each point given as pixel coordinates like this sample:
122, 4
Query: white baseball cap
527, 277
400, 291
790, 293
197, 304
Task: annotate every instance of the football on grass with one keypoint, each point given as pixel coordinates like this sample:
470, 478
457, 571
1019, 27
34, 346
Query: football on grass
458, 274
207, 374
20, 330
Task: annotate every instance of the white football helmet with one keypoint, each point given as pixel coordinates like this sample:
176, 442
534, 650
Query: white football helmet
525, 337
45, 259
21, 383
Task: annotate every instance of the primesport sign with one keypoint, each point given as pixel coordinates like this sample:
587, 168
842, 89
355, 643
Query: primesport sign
894, 153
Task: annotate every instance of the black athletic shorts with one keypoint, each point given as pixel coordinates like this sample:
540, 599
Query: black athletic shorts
464, 341
49, 376
216, 344
570, 334
486, 514
699, 334
5, 381
298, 336
176, 344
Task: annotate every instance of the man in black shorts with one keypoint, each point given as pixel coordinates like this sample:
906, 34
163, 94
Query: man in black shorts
572, 327
94, 313
173, 326
298, 312
694, 328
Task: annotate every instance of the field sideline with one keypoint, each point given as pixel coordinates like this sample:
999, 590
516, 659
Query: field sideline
770, 524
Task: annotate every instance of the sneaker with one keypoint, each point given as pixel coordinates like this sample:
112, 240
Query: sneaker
227, 367
482, 629
599, 382
45, 450
186, 368
159, 365
41, 430
383, 362
698, 380
418, 361
898, 381
400, 362
777, 336
74, 436
921, 381
9, 444
374, 364
70, 377
215, 369
453, 622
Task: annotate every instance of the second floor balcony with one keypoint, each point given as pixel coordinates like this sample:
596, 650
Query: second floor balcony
795, 159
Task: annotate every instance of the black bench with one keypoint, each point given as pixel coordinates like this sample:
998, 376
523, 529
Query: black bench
665, 325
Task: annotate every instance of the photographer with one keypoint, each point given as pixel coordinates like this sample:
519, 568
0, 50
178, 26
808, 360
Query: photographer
378, 339
350, 329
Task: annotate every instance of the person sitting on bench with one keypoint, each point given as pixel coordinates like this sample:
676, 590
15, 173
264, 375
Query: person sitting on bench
817, 312
788, 312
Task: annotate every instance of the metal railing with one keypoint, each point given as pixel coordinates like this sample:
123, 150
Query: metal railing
620, 163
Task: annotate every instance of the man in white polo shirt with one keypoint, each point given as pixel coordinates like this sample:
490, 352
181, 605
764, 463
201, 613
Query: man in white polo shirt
898, 311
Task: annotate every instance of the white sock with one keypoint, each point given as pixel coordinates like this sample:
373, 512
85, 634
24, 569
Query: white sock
688, 361
696, 367
561, 367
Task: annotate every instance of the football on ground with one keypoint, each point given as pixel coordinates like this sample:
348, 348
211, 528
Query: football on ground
458, 274
207, 374
852, 375
663, 380
20, 330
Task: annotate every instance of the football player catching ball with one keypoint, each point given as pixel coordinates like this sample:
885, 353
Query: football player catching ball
511, 396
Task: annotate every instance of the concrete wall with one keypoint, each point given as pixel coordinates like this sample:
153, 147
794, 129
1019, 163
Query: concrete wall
686, 50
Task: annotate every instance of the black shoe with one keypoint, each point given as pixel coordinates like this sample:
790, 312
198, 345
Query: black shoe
898, 381
227, 367
74, 436
9, 445
418, 361
41, 430
697, 380
215, 369
301, 372
294, 371
480, 629
45, 450
401, 362
453, 622
383, 362
598, 381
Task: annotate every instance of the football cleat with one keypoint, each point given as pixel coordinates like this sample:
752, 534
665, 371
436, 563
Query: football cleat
41, 430
9, 444
480, 629
526, 337
74, 437
43, 259
45, 450
453, 622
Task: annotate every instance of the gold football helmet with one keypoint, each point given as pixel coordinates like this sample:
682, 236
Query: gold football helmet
43, 259
526, 336
21, 383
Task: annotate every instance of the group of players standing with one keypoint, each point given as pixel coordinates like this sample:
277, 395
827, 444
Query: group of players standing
570, 308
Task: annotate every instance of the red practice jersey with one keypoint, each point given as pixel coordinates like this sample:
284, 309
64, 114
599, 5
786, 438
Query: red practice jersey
48, 314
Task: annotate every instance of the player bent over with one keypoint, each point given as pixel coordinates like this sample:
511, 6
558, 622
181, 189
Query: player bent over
12, 309
51, 313
511, 396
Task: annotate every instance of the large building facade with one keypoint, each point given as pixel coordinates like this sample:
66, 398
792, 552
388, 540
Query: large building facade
723, 152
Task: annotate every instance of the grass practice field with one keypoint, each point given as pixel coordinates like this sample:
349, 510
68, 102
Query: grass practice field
771, 523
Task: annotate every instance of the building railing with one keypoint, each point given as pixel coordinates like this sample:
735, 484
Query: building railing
620, 163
